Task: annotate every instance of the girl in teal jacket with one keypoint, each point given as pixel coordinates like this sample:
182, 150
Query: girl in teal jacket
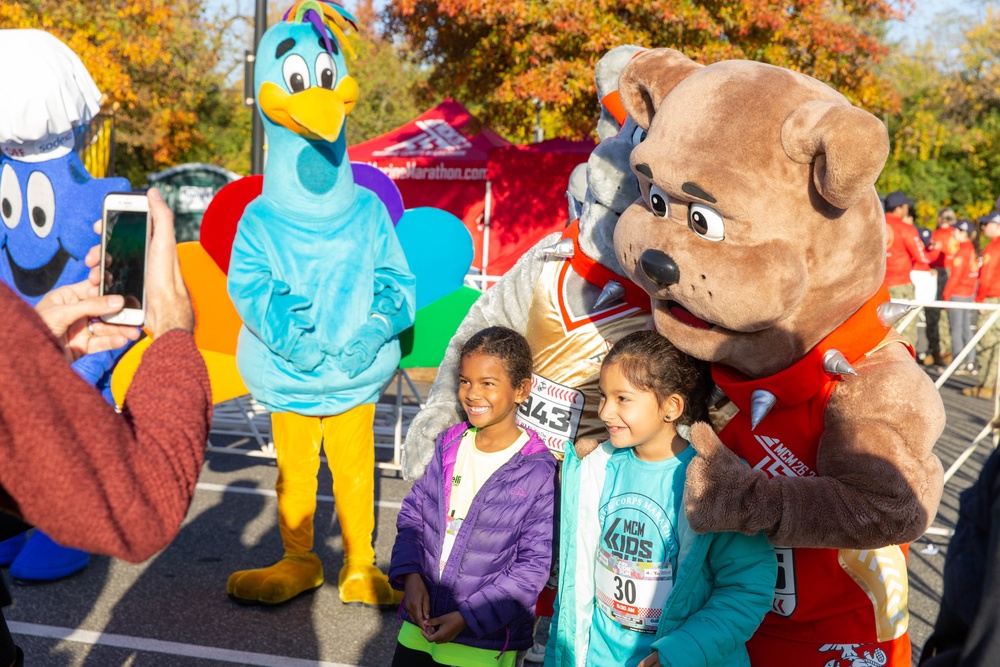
637, 586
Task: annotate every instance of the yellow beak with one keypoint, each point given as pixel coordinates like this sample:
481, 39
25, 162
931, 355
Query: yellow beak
315, 113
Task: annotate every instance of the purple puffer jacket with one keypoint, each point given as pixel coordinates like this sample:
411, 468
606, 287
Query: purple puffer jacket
500, 561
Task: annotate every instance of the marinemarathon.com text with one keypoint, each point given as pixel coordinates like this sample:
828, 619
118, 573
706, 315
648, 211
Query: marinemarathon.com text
436, 173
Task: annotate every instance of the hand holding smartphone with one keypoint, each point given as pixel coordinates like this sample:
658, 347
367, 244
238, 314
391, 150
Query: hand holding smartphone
125, 240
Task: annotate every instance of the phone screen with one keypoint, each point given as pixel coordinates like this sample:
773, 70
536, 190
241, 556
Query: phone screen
125, 232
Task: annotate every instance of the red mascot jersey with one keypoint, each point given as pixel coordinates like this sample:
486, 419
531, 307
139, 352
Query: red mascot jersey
832, 607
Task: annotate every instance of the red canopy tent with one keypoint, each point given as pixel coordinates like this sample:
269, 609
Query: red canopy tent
528, 192
447, 159
438, 159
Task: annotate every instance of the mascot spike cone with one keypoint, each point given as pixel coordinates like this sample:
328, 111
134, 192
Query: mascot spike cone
321, 284
48, 205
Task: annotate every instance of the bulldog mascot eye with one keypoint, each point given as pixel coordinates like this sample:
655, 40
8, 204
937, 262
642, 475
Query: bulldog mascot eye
706, 223
658, 202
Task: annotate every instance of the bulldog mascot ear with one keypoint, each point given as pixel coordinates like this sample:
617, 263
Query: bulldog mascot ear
846, 146
649, 78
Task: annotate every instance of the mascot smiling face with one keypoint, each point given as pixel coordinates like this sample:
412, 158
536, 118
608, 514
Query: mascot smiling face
48, 201
48, 210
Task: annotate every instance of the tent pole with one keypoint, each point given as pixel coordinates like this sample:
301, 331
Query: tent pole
486, 232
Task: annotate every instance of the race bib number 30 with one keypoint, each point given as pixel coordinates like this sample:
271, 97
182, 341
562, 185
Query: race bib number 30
553, 411
632, 594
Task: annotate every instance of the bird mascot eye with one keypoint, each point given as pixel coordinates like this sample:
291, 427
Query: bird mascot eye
659, 203
296, 73
326, 71
10, 197
41, 204
706, 223
638, 136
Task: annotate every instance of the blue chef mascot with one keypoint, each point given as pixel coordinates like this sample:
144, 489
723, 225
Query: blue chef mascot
48, 205
321, 284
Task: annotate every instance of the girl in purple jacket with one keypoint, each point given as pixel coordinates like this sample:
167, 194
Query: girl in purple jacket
475, 533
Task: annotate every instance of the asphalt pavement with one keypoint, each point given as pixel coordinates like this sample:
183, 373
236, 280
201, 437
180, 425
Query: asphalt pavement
173, 609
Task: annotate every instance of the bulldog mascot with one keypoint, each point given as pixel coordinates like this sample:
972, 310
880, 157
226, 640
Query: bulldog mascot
760, 238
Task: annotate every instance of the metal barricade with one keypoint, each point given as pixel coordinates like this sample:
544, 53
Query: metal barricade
993, 425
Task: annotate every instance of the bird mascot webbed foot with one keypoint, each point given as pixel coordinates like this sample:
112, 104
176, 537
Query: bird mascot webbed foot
291, 576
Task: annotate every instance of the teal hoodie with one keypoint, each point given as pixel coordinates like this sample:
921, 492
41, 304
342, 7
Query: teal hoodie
723, 588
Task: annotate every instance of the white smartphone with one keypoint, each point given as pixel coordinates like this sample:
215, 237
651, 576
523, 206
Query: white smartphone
125, 238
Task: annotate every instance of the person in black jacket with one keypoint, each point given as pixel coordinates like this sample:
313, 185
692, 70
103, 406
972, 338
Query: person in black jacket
965, 633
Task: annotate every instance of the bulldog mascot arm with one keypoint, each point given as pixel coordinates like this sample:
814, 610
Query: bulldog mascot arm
568, 335
760, 238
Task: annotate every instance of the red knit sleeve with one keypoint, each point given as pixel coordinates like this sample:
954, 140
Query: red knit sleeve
117, 484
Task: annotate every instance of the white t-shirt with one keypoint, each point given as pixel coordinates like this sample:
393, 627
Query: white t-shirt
472, 469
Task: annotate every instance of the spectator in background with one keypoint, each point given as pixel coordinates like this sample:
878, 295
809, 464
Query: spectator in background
941, 250
961, 287
988, 292
965, 632
904, 252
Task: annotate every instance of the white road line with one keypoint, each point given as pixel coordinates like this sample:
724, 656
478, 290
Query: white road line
270, 493
159, 646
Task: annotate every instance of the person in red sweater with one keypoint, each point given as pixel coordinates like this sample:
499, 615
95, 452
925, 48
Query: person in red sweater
116, 484
904, 252
940, 251
988, 292
961, 287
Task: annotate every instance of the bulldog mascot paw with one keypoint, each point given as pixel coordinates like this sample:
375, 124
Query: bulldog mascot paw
760, 238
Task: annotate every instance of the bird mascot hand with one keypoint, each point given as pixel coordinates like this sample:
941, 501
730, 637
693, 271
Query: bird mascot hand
721, 492
360, 352
289, 308
307, 354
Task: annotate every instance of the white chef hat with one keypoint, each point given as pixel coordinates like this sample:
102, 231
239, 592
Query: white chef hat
48, 96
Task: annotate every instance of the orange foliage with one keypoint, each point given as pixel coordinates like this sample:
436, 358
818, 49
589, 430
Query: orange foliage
151, 58
503, 53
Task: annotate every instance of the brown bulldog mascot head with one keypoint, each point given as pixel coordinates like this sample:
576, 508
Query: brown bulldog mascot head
760, 238
759, 229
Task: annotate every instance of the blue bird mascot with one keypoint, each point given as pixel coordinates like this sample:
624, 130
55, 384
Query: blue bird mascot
48, 204
323, 288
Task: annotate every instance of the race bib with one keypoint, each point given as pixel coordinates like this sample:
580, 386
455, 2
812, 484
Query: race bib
631, 593
552, 411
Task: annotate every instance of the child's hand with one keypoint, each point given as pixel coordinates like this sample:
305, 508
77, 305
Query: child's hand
651, 660
416, 601
448, 627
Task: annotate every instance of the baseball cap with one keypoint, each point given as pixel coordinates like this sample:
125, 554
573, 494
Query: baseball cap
991, 217
964, 225
896, 199
925, 235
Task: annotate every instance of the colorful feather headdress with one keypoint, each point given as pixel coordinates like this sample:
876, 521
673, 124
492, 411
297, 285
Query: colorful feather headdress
326, 13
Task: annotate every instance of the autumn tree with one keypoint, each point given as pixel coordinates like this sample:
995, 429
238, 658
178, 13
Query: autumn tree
156, 61
505, 53
946, 137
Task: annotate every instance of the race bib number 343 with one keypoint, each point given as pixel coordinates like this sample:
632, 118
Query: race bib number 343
553, 411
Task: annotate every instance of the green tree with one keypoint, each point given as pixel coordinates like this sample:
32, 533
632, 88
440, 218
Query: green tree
946, 136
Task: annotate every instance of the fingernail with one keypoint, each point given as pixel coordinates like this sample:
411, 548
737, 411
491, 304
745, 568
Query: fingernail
155, 194
116, 301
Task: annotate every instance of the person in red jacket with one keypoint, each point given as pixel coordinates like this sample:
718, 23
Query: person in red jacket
117, 484
940, 251
904, 252
988, 292
961, 287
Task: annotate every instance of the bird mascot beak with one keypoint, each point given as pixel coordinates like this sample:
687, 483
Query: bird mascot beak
315, 113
